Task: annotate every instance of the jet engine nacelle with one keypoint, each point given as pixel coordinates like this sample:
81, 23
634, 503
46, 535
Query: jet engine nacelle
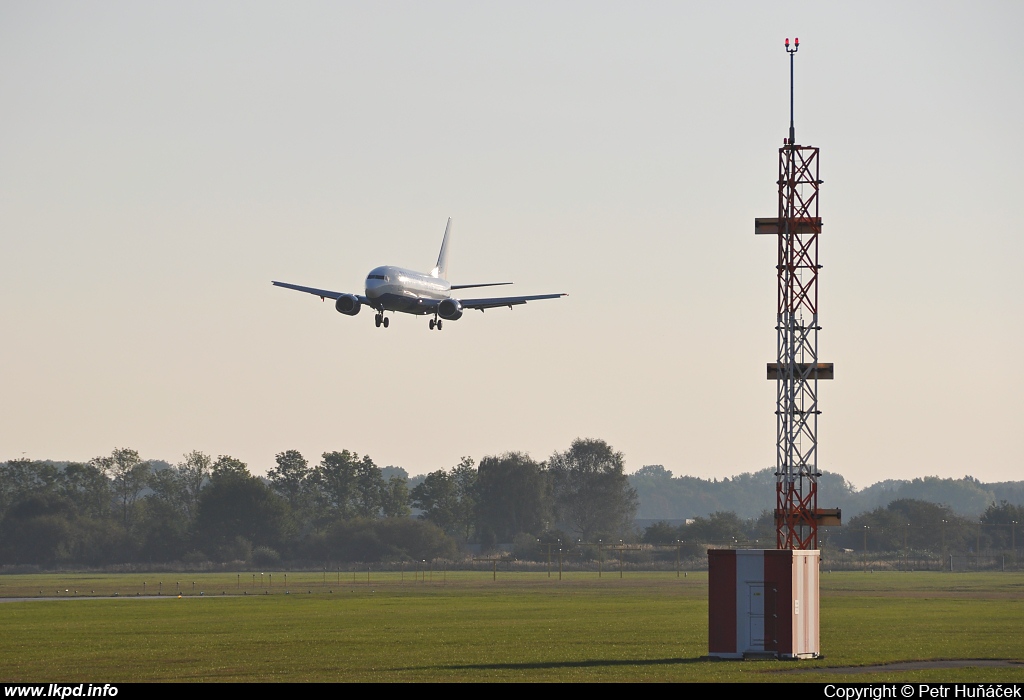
348, 304
450, 310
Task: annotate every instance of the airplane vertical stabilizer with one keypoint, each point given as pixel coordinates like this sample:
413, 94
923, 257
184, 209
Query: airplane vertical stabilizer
441, 270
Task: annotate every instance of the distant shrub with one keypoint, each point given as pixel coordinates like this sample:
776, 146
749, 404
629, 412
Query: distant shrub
390, 539
195, 557
265, 556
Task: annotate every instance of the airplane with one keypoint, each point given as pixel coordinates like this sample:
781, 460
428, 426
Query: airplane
390, 288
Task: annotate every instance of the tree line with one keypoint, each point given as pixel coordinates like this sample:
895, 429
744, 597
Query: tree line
666, 496
911, 526
904, 526
119, 508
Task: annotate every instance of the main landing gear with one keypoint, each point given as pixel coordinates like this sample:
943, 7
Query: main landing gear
435, 323
380, 319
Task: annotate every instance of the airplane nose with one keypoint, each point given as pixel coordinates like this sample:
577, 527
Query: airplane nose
373, 287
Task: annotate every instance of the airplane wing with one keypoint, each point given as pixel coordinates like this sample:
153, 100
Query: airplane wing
485, 284
504, 301
322, 293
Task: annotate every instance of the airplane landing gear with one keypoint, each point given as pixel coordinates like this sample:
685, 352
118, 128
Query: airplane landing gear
435, 323
381, 320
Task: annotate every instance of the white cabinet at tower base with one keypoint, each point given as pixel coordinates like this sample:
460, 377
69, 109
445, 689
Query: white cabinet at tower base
763, 603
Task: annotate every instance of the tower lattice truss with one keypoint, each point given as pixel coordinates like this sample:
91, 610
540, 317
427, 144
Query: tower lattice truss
796, 370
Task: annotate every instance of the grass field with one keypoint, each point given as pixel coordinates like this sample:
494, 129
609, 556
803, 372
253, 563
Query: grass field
464, 626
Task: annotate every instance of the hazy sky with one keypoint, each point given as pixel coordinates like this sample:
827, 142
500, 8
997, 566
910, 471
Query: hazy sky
162, 162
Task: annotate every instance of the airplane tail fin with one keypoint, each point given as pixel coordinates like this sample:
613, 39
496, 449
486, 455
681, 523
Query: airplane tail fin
441, 270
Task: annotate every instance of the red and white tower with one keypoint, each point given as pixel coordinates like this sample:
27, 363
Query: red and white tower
765, 602
796, 370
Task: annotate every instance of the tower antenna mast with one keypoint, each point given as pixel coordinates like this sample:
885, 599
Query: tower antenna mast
791, 52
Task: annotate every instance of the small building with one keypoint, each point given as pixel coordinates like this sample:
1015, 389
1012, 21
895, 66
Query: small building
763, 603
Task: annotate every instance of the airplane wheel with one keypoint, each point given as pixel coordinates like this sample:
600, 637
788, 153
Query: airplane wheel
439, 324
385, 321
376, 320
431, 324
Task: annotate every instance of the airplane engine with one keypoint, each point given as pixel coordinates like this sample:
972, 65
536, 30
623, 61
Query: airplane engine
348, 304
450, 310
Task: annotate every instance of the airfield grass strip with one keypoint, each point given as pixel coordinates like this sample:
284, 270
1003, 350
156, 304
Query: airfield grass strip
524, 627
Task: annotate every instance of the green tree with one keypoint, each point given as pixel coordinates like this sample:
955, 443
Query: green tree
167, 514
762, 529
166, 487
346, 485
464, 475
87, 487
288, 477
438, 497
235, 507
592, 494
193, 472
370, 540
721, 527
911, 524
395, 498
369, 488
1002, 525
22, 477
513, 497
227, 466
389, 472
448, 499
129, 476
163, 529
38, 529
661, 532
101, 541
334, 483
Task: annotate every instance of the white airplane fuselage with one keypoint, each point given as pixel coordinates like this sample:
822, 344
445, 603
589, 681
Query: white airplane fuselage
398, 289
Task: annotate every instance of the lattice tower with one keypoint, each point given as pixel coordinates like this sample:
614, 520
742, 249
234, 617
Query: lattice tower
796, 369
